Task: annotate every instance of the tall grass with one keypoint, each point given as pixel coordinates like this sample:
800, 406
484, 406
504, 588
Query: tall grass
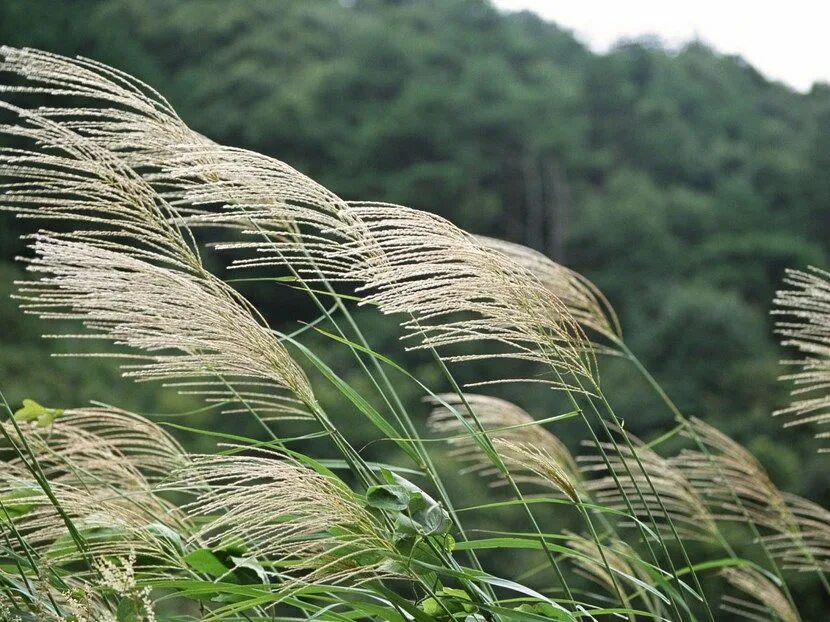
105, 516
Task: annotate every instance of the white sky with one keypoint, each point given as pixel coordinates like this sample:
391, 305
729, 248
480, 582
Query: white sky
786, 41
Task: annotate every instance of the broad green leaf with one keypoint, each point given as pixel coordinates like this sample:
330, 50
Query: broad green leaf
250, 563
129, 610
414, 612
163, 532
17, 503
204, 561
32, 411
388, 497
542, 609
417, 512
91, 535
448, 599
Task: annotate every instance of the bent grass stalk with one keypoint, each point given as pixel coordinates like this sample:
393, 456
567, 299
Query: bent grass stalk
683, 421
401, 416
398, 409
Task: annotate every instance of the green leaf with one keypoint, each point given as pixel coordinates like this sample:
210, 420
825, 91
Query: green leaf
455, 593
425, 515
204, 561
32, 411
232, 545
378, 420
543, 609
448, 599
434, 520
431, 606
418, 513
253, 565
447, 542
129, 610
14, 508
90, 535
405, 605
388, 497
163, 532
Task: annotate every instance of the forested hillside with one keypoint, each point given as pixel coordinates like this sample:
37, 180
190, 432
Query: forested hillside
682, 183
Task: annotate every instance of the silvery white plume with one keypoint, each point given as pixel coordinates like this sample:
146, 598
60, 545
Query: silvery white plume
452, 289
531, 452
183, 326
806, 307
301, 525
585, 302
658, 489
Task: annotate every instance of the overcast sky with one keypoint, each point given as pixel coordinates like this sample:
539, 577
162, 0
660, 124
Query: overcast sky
786, 41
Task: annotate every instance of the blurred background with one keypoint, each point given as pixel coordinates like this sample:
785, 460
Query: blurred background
679, 179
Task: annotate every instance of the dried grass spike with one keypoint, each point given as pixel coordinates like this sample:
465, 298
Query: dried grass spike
100, 447
458, 291
728, 470
762, 590
806, 545
184, 326
806, 308
543, 467
309, 526
109, 522
653, 485
582, 298
590, 564
533, 454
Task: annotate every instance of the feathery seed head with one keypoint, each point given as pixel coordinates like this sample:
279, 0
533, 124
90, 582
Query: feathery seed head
806, 308
802, 542
532, 453
458, 291
99, 447
636, 473
310, 526
728, 470
581, 297
590, 564
736, 487
189, 327
108, 522
761, 589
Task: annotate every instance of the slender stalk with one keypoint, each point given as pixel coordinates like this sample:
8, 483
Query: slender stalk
623, 600
34, 468
503, 468
683, 421
663, 509
645, 537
